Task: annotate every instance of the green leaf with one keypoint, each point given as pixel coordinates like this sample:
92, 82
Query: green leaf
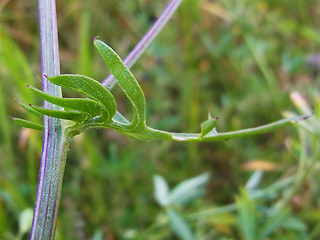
27, 124
29, 109
188, 189
102, 102
179, 226
294, 224
90, 88
98, 235
254, 180
68, 115
161, 190
273, 223
208, 126
246, 216
25, 221
127, 82
82, 105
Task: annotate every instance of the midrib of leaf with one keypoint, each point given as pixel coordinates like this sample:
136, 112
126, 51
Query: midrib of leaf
54, 148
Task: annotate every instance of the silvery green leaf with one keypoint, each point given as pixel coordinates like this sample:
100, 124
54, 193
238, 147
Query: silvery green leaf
25, 221
27, 124
179, 226
254, 180
68, 115
188, 189
88, 106
161, 190
126, 81
90, 88
98, 235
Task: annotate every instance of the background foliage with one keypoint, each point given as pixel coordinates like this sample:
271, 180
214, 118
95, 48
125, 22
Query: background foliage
240, 60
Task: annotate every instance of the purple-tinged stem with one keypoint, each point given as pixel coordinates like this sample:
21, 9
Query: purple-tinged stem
54, 148
146, 40
55, 144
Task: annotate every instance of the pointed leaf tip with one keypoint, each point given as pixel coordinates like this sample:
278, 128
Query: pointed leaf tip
208, 126
68, 115
298, 119
27, 124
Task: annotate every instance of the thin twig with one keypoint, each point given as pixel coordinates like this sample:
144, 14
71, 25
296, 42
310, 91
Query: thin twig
145, 42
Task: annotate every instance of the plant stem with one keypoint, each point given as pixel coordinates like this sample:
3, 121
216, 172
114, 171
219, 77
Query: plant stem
147, 39
55, 145
191, 83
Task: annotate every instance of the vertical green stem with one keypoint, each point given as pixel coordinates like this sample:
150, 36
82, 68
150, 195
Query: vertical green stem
85, 42
189, 16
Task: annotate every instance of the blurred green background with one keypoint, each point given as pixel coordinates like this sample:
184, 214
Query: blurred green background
238, 59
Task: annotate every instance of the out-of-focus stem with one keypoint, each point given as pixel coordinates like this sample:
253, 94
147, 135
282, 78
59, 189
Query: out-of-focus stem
144, 43
191, 86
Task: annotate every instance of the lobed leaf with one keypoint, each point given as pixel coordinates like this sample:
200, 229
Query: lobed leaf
91, 89
68, 115
101, 101
82, 105
27, 124
127, 82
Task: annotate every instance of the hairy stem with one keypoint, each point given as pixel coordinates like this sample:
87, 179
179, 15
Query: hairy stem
147, 39
55, 144
54, 148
